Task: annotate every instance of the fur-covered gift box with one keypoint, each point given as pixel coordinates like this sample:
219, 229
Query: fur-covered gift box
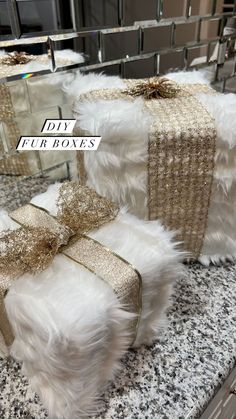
85, 281
168, 158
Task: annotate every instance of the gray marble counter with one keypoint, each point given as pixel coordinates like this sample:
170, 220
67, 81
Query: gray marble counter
178, 375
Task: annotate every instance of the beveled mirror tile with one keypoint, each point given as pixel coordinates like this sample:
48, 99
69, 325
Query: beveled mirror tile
31, 124
227, 70
35, 58
171, 61
46, 91
110, 70
209, 29
58, 173
197, 55
219, 6
97, 14
213, 51
137, 10
119, 44
229, 27
230, 85
19, 96
33, 161
224, 6
172, 9
156, 38
53, 158
201, 7
76, 50
44, 16
185, 33
140, 68
219, 86
66, 111
5, 25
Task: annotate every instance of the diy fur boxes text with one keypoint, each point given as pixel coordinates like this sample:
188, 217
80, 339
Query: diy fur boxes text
58, 143
52, 142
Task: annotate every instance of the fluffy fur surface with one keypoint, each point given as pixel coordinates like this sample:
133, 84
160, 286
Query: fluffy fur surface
70, 329
118, 169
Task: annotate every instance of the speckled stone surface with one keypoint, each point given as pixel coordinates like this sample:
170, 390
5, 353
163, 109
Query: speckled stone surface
178, 375
18, 190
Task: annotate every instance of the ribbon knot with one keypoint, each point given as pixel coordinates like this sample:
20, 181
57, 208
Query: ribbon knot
154, 88
32, 247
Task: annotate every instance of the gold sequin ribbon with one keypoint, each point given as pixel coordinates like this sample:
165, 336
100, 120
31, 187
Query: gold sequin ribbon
19, 164
32, 247
181, 153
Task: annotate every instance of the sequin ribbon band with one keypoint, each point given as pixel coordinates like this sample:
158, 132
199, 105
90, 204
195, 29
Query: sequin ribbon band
46, 235
19, 164
181, 155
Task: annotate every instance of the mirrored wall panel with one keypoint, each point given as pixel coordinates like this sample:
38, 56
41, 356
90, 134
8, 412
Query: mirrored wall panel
5, 24
48, 36
96, 14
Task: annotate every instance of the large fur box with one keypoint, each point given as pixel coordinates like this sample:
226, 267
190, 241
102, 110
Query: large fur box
118, 169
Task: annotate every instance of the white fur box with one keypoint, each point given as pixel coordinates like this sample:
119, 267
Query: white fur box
70, 328
118, 169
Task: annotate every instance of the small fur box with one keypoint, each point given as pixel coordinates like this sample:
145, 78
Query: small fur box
74, 319
167, 158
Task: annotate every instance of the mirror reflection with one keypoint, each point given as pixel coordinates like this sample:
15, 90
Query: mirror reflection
50, 35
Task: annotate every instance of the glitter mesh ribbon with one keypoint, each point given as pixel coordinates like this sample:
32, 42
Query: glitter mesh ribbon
181, 153
32, 247
19, 164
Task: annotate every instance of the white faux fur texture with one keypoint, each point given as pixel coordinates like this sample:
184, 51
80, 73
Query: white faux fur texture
70, 329
118, 169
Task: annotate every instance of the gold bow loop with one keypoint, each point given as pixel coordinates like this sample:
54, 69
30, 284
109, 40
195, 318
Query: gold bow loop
32, 247
26, 250
82, 209
153, 88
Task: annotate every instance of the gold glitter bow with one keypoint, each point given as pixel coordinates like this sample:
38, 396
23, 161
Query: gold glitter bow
82, 209
14, 58
26, 250
154, 88
31, 248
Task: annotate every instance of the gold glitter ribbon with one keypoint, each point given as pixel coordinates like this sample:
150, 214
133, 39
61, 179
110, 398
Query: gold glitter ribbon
181, 153
122, 276
15, 164
32, 247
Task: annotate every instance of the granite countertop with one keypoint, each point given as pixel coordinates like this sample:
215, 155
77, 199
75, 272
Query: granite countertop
177, 376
